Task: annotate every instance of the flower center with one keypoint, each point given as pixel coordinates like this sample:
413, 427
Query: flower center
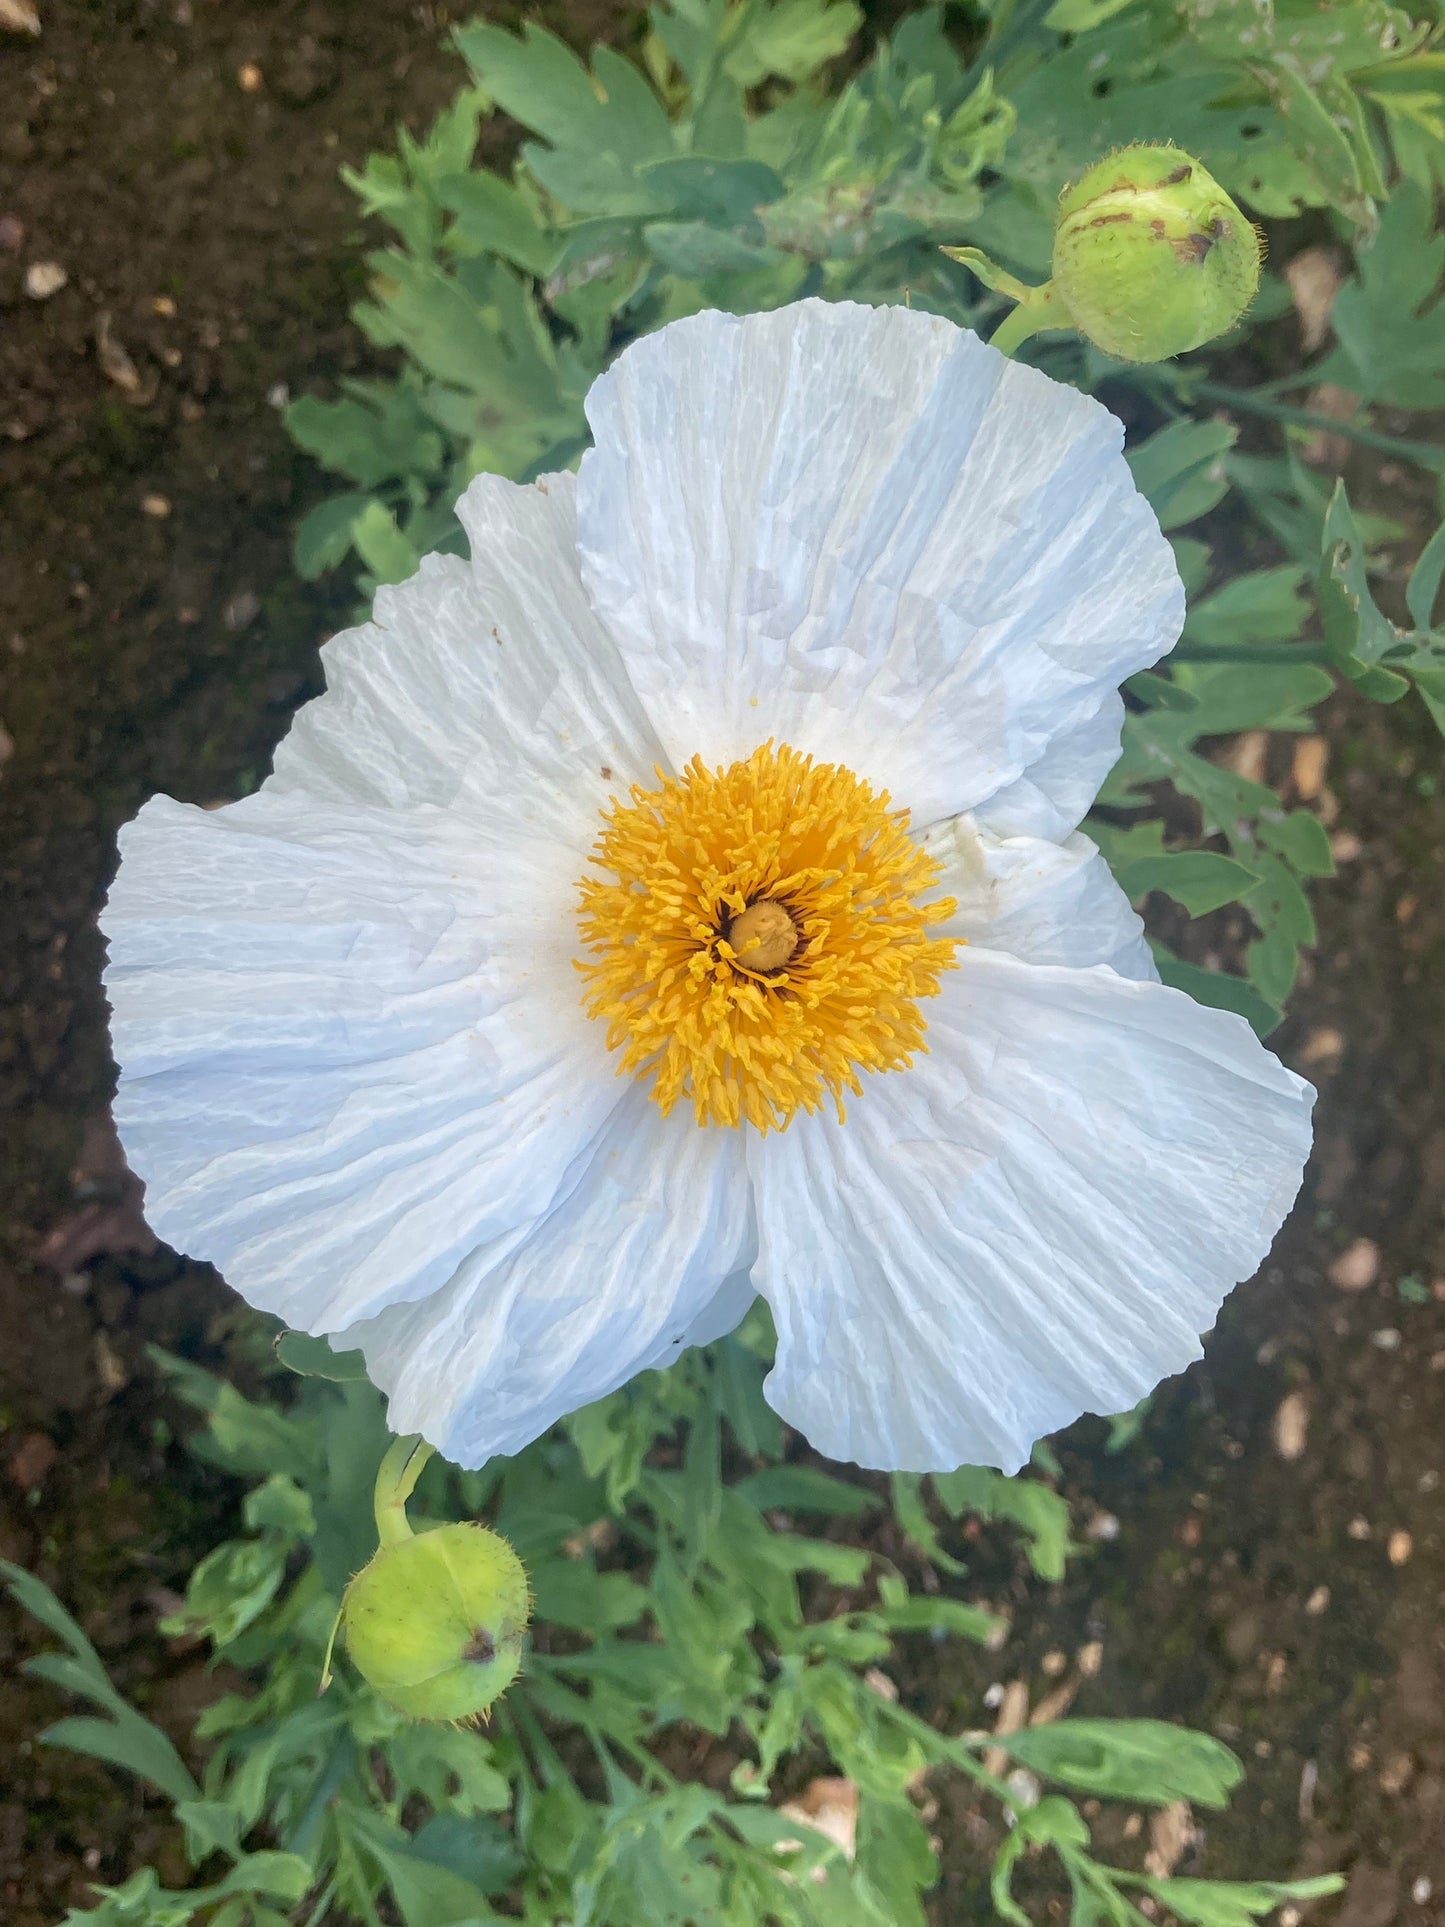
764, 937
756, 938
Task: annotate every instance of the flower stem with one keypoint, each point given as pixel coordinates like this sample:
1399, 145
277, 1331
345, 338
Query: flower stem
395, 1483
1425, 453
1016, 328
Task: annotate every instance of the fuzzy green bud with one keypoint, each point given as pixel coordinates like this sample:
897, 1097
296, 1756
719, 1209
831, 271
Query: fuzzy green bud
1151, 256
435, 1621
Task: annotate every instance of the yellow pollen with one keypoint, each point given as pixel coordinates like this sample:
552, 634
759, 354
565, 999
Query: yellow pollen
756, 939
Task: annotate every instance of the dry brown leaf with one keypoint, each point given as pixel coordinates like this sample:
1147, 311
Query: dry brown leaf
1013, 1712
1054, 1705
1314, 278
1311, 753
830, 1806
1322, 1046
1323, 447
115, 361
19, 16
1171, 1830
1246, 755
1291, 1425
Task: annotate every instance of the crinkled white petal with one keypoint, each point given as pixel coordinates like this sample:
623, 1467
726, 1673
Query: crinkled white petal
638, 1259
1056, 792
863, 532
1036, 1220
487, 683
351, 1042
1051, 903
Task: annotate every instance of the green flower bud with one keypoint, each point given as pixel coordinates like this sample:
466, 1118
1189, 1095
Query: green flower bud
1151, 257
435, 1621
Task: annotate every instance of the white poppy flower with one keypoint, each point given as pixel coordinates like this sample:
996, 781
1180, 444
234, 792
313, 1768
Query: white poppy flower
777, 719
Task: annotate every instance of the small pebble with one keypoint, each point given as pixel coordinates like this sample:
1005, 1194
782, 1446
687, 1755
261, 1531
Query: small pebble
1090, 1658
1024, 1787
1357, 1267
242, 610
1396, 1774
1387, 1339
1358, 1528
1290, 1917
32, 1460
1423, 1888
1399, 1547
162, 305
1291, 1426
1318, 1602
43, 279
1360, 1757
1053, 1664
278, 395
1105, 1527
249, 78
1345, 846
1322, 1046
156, 506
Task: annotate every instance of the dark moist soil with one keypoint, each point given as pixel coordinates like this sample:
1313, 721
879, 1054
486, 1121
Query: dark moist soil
179, 162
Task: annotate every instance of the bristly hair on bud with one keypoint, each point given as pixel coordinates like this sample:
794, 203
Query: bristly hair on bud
1151, 258
435, 1621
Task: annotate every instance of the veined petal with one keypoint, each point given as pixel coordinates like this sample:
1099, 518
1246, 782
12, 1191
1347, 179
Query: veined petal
1057, 789
1034, 1222
487, 683
628, 1267
1052, 903
351, 1042
862, 532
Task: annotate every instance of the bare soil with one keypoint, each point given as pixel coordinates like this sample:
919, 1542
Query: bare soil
179, 162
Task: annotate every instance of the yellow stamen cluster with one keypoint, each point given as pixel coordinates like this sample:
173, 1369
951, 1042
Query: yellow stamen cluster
756, 936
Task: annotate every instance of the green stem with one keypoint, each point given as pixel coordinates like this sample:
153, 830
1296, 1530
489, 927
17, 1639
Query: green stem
1427, 455
1016, 328
1289, 652
327, 1895
395, 1483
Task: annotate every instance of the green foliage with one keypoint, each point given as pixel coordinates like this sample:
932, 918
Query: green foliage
719, 170
122, 1736
693, 1596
